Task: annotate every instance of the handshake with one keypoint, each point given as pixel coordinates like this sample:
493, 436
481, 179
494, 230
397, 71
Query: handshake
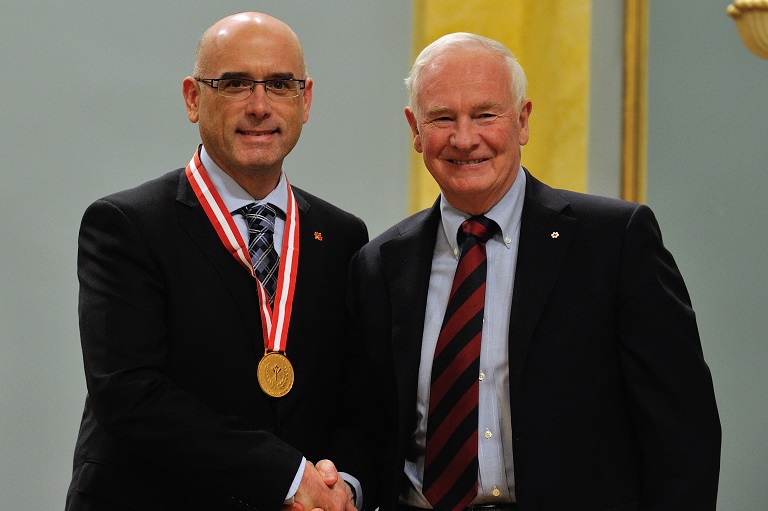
321, 488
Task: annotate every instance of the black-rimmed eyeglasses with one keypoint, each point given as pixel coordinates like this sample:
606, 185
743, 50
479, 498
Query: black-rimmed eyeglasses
241, 88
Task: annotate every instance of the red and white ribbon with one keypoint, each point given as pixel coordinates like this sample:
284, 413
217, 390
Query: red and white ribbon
274, 320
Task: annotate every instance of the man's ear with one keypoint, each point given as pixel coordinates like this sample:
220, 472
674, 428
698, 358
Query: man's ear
413, 123
307, 98
525, 114
190, 89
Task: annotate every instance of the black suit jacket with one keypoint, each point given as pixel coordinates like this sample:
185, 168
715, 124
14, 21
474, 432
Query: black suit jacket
171, 338
612, 403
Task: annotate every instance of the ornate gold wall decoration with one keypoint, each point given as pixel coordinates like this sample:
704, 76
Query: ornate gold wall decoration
751, 17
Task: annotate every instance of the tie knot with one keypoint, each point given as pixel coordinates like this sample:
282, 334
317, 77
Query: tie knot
479, 226
259, 216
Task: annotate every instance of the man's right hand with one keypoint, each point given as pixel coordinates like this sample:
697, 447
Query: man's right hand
322, 488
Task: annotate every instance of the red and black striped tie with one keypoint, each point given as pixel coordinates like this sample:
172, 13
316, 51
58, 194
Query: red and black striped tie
450, 468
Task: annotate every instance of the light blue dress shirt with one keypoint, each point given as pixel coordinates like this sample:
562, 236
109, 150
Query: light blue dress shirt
235, 197
496, 481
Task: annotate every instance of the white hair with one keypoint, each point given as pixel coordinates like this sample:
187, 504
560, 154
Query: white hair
463, 40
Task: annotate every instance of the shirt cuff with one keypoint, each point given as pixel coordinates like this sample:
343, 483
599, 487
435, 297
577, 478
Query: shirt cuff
356, 489
296, 481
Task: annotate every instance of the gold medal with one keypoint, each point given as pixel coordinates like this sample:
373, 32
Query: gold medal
275, 374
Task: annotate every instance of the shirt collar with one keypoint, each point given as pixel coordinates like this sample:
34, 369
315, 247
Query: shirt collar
234, 196
506, 213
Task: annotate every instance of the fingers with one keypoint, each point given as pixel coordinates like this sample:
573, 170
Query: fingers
321, 487
328, 471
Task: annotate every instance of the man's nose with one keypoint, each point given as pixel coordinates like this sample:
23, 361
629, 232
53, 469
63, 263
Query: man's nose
464, 134
259, 102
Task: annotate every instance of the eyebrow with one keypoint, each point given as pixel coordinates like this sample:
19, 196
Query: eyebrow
436, 110
247, 76
486, 105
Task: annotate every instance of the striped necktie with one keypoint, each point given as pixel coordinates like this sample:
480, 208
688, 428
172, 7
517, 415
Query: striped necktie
450, 468
261, 244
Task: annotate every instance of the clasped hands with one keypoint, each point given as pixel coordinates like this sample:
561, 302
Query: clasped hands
321, 488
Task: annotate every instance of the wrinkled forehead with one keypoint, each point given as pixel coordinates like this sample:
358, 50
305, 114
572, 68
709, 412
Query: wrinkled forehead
473, 74
464, 64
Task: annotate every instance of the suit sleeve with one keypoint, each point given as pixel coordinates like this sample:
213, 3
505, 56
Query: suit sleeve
125, 341
669, 384
352, 443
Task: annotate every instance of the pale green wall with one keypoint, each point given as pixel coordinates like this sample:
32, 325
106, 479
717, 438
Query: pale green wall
90, 104
707, 182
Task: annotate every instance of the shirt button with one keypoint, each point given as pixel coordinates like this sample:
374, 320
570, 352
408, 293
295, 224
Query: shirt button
496, 492
488, 433
482, 376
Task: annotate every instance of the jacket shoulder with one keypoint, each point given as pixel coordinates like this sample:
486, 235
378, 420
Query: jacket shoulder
404, 227
153, 191
323, 208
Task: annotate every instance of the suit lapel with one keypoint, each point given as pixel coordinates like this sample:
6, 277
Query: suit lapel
407, 262
242, 289
545, 234
311, 260
308, 256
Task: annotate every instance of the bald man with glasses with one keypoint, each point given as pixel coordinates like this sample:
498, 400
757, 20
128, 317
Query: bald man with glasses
211, 309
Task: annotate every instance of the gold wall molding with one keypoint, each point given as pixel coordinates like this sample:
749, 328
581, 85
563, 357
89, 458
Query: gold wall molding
634, 123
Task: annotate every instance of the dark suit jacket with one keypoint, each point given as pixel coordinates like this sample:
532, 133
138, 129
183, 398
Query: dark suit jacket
612, 403
171, 337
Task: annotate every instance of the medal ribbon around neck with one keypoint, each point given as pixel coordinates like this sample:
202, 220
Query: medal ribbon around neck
274, 322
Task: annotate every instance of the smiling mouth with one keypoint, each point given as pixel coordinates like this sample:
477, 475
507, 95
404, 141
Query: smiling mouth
257, 133
468, 162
